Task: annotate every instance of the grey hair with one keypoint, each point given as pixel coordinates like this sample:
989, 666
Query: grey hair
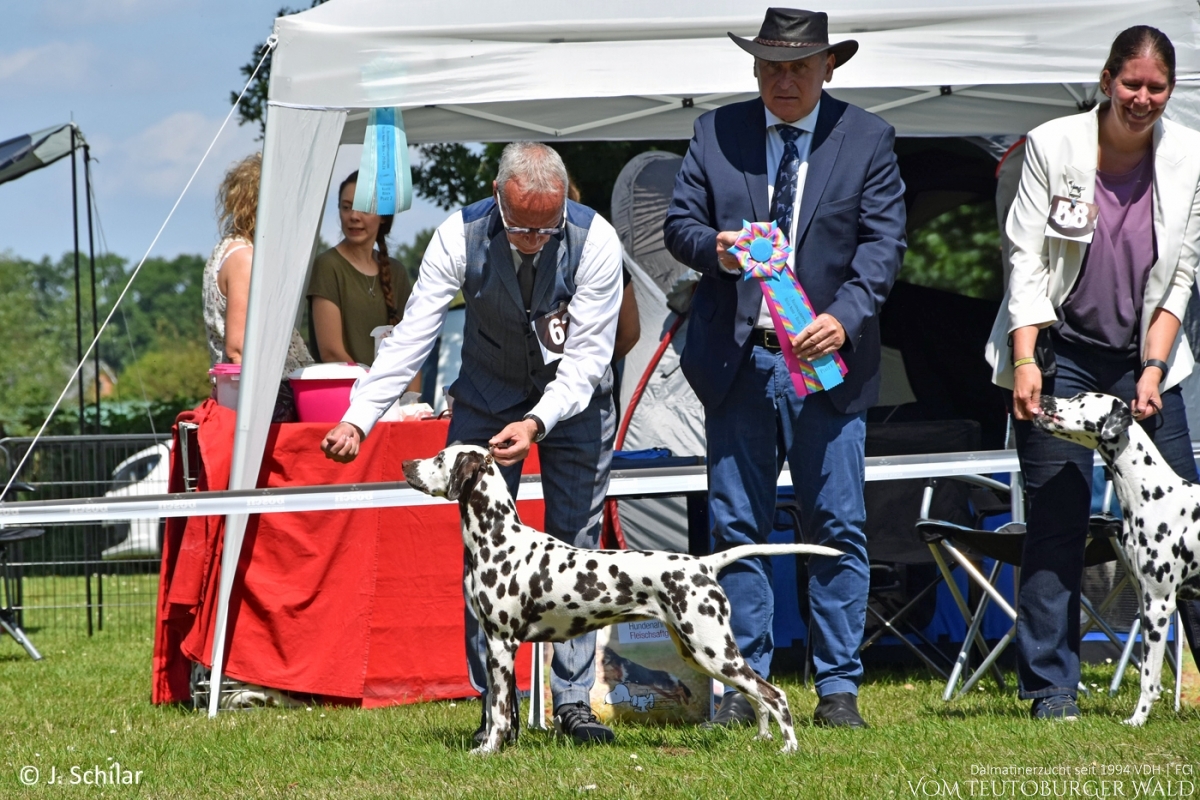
534, 166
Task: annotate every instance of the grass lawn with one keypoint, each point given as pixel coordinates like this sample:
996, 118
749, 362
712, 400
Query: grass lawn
87, 704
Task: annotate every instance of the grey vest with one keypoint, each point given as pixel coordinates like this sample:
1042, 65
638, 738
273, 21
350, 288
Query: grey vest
502, 364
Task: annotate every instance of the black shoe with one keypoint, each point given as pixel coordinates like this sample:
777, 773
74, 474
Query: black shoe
838, 711
734, 710
1059, 706
577, 721
481, 732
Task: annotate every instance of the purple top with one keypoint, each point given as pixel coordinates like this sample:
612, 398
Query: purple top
1104, 308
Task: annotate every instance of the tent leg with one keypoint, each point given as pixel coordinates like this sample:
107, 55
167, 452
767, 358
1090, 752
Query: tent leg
78, 299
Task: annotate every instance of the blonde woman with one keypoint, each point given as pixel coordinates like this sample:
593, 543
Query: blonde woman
227, 276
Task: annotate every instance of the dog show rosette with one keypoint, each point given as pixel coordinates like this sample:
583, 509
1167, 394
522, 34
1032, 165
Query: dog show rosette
762, 250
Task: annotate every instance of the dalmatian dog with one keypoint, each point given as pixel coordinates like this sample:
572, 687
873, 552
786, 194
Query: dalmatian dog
1161, 530
525, 585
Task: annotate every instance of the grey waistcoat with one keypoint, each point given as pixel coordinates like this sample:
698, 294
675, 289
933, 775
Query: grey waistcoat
502, 364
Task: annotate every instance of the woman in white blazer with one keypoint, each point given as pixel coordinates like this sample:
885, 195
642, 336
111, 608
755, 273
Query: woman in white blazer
1109, 308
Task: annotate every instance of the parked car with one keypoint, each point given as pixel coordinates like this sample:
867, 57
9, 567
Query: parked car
143, 473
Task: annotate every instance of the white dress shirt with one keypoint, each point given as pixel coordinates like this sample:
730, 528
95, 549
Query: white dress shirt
774, 155
587, 351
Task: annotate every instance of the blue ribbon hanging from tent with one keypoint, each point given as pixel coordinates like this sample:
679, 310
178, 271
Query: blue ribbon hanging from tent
384, 178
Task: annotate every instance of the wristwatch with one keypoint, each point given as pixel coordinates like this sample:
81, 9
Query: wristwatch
1157, 362
541, 427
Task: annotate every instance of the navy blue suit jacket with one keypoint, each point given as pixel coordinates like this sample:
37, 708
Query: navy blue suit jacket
849, 238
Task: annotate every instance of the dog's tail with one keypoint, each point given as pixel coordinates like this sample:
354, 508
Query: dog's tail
720, 561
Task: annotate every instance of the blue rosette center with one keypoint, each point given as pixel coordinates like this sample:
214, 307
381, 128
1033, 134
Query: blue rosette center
761, 250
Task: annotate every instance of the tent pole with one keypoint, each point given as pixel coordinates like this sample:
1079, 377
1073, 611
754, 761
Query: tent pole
78, 299
87, 194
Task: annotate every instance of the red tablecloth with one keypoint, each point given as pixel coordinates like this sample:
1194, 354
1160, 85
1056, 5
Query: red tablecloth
362, 606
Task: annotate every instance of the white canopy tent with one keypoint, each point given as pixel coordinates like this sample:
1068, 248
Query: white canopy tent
471, 70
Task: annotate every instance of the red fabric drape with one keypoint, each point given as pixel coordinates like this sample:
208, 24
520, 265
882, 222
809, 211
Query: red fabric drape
362, 606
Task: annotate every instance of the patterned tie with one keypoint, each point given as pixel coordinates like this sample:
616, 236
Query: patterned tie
525, 276
783, 202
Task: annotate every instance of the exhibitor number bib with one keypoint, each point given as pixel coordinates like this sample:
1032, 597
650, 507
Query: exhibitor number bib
1071, 219
551, 332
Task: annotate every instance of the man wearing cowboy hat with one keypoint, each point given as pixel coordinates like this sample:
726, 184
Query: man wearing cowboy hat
825, 171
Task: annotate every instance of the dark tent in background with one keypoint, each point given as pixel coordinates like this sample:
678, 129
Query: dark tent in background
32, 151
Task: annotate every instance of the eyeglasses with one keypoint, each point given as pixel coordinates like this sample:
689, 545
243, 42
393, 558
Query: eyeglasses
518, 231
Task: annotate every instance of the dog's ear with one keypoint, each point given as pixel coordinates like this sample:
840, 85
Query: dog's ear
462, 474
1116, 421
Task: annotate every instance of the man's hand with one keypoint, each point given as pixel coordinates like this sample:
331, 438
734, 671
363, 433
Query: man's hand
342, 443
725, 240
823, 336
512, 444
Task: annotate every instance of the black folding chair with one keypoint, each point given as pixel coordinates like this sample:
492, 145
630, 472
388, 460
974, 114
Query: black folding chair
10, 613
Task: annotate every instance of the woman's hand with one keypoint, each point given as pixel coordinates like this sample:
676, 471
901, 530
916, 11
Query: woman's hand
1027, 391
1027, 378
1148, 401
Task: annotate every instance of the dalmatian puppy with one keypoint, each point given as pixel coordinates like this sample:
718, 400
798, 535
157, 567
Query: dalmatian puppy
525, 585
1160, 533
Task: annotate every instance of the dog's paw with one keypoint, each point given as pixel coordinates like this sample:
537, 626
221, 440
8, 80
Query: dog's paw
1136, 721
764, 737
484, 750
790, 747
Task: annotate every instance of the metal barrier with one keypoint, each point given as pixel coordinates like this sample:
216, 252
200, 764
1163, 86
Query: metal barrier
88, 577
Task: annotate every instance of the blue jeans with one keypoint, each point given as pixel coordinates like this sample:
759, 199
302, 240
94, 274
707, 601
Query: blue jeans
760, 423
575, 460
1058, 486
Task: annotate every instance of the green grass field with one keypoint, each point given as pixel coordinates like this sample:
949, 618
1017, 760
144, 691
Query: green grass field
87, 705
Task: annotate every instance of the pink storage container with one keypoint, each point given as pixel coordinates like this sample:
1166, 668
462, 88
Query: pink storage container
227, 378
322, 391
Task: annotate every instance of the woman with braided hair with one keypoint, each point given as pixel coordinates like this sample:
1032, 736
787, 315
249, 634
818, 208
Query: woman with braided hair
355, 287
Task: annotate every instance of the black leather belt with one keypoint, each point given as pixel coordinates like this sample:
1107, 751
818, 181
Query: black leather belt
766, 339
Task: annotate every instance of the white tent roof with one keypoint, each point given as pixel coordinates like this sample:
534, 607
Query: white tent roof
480, 70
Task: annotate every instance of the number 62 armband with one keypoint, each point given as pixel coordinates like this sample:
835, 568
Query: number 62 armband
551, 332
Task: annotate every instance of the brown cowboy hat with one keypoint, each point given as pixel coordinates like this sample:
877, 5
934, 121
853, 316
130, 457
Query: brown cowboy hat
789, 34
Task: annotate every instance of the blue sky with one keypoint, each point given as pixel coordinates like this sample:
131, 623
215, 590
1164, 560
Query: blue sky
148, 82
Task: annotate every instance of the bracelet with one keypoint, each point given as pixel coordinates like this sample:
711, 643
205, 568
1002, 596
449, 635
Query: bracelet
1020, 362
1157, 362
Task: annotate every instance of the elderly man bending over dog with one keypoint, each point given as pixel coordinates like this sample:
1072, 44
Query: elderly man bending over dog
541, 277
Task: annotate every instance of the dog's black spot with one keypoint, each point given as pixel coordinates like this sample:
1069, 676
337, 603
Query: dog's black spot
1155, 636
488, 578
500, 591
572, 606
1157, 494
589, 586
1148, 461
506, 568
591, 564
578, 625
613, 570
1145, 495
687, 628
708, 651
647, 582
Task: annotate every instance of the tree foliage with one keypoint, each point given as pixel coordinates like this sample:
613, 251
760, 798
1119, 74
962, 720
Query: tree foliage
958, 251
163, 315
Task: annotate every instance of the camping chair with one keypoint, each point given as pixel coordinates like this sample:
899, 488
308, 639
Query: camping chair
1005, 546
10, 613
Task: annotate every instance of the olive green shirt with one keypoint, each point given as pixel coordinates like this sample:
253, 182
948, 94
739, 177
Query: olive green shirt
360, 299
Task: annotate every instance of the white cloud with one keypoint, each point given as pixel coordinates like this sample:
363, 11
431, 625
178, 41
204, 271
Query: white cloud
53, 65
158, 160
